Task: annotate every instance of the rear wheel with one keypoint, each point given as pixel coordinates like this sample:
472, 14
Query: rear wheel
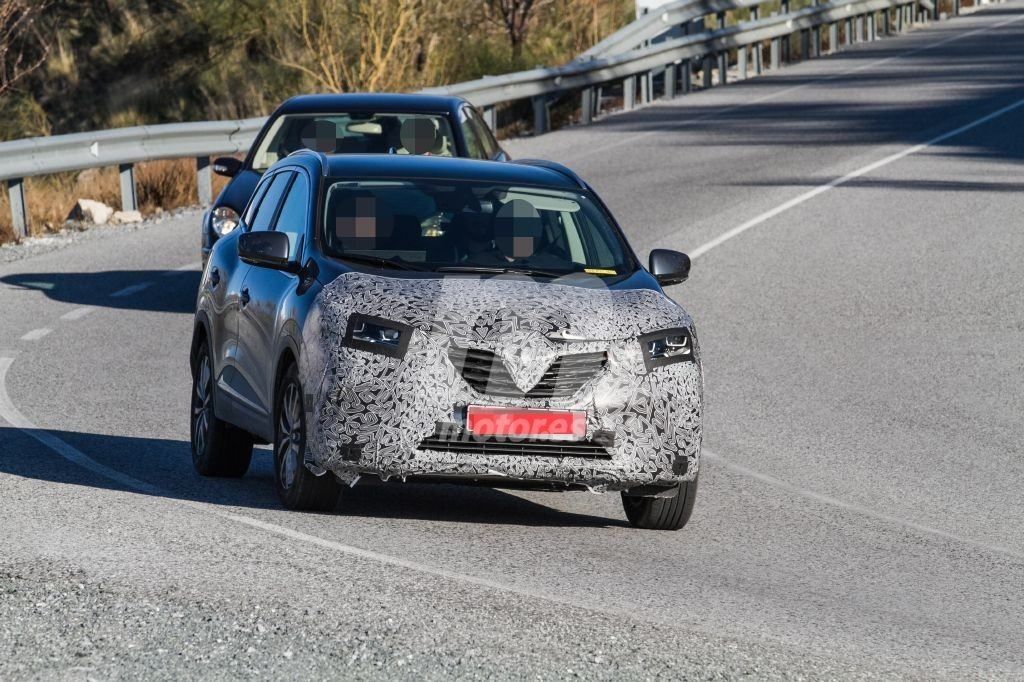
298, 487
218, 448
661, 513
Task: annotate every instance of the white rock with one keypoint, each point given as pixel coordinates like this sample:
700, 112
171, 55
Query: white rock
92, 211
121, 217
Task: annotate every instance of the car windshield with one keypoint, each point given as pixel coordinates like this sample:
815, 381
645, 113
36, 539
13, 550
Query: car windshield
355, 133
463, 226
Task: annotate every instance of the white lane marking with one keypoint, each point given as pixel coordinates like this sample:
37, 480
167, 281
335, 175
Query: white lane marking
856, 508
601, 149
821, 189
77, 313
133, 289
36, 334
11, 414
184, 268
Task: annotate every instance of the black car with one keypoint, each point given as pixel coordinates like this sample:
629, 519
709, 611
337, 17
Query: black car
414, 318
349, 124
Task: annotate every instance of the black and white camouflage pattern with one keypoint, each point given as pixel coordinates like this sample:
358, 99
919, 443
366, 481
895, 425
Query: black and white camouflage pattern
386, 406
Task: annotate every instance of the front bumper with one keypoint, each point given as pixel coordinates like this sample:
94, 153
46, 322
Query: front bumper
404, 418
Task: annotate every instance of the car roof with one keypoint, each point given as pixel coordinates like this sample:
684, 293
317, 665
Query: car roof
376, 102
526, 172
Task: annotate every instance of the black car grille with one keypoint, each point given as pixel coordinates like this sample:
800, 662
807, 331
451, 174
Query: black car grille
486, 373
468, 445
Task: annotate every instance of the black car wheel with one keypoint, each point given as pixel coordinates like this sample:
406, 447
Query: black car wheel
297, 486
218, 448
661, 513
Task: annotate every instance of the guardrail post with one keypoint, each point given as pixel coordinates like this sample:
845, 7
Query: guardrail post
687, 69
805, 45
775, 56
859, 31
784, 44
707, 69
816, 41
204, 181
541, 124
872, 27
19, 209
723, 56
629, 93
586, 105
755, 14
741, 61
833, 38
491, 118
670, 81
129, 202
847, 32
956, 8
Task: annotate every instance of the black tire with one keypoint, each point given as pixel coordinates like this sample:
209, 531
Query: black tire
298, 487
661, 513
218, 448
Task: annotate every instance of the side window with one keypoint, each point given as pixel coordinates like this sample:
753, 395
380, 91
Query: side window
271, 200
257, 196
295, 211
473, 143
487, 140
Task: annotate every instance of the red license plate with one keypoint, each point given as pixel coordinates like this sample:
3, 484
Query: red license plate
484, 420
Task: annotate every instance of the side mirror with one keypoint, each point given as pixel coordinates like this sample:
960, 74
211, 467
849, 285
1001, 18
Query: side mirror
669, 267
269, 249
228, 166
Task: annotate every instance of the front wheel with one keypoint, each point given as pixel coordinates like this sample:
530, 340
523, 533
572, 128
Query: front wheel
661, 513
297, 486
218, 448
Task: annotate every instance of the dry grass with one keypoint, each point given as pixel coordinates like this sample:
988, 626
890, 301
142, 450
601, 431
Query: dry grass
159, 185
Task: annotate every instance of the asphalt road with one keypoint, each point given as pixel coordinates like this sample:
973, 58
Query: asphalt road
859, 291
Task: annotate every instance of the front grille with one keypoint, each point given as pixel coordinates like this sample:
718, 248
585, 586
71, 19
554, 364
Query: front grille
521, 448
486, 373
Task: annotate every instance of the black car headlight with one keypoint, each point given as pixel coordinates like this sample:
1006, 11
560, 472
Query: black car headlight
377, 335
667, 346
223, 219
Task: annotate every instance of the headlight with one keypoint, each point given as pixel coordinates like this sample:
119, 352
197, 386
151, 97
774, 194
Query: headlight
377, 335
666, 347
224, 219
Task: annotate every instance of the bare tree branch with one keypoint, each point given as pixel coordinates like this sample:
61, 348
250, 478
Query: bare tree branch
23, 46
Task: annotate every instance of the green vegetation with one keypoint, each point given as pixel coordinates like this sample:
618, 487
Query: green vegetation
128, 62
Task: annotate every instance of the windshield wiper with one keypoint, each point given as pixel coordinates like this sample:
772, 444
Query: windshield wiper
381, 261
500, 270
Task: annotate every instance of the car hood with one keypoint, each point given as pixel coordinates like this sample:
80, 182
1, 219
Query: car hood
483, 309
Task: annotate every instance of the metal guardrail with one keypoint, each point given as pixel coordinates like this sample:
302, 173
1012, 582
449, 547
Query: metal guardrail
640, 52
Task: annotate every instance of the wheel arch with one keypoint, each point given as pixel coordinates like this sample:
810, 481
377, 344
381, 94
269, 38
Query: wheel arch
200, 334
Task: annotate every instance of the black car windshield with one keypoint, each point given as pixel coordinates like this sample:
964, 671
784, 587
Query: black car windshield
355, 133
465, 226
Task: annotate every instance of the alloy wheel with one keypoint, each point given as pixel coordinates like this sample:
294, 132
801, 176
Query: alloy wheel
202, 404
289, 436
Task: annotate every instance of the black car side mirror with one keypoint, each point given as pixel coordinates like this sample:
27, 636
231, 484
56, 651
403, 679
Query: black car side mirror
228, 166
669, 267
269, 249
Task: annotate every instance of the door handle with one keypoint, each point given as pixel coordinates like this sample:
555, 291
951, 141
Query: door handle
214, 278
245, 297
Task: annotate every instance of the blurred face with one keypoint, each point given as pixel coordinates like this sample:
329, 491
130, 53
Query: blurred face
362, 225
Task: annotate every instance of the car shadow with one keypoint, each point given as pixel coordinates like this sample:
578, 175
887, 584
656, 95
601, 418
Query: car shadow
166, 467
165, 291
